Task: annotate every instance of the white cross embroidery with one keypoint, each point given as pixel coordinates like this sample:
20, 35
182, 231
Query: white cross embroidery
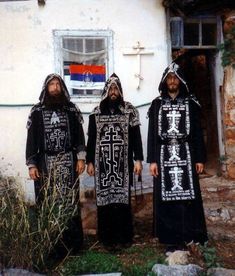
173, 115
174, 155
57, 137
176, 172
112, 141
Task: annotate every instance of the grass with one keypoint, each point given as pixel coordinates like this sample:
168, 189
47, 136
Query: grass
92, 262
137, 260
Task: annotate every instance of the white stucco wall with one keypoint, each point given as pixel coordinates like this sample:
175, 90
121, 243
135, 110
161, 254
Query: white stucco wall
27, 56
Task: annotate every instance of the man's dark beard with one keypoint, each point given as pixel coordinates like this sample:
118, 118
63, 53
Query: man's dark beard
113, 104
173, 91
55, 101
107, 104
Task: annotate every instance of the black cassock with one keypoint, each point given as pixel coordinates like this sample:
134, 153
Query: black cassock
55, 140
175, 143
114, 140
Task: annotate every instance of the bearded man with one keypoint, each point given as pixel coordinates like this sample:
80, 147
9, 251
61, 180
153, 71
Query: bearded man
176, 153
55, 148
114, 140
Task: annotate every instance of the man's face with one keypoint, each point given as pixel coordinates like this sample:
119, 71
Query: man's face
172, 83
113, 92
54, 87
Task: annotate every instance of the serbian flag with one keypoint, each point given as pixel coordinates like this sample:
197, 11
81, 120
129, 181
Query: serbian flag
87, 75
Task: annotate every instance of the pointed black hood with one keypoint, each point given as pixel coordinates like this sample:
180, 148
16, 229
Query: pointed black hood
112, 79
44, 88
173, 68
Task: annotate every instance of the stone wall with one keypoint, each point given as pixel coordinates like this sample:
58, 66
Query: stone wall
218, 196
229, 120
229, 107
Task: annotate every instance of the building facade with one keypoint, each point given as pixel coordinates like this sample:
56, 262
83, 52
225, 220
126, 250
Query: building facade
135, 39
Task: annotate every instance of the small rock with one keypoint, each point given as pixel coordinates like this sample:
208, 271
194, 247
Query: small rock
18, 272
106, 274
221, 272
178, 257
213, 219
212, 189
176, 270
225, 214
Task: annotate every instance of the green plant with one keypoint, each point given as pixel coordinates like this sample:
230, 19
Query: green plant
209, 254
139, 269
136, 260
92, 262
143, 259
228, 49
222, 158
145, 253
28, 234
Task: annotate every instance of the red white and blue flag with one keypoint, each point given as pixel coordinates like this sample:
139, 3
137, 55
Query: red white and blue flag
89, 76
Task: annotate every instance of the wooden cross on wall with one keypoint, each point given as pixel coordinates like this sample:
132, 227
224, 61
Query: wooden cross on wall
138, 51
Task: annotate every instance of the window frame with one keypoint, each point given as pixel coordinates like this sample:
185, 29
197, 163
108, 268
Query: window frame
199, 20
58, 36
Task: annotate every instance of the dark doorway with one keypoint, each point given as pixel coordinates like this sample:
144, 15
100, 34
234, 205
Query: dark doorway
200, 78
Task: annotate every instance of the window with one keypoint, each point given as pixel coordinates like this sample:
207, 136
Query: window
202, 32
191, 33
84, 59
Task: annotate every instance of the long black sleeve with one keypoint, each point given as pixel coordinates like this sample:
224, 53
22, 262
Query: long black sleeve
137, 143
91, 143
198, 145
32, 143
152, 134
79, 136
135, 139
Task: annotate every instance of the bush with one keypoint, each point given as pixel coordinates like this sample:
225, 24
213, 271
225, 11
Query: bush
209, 254
28, 234
228, 49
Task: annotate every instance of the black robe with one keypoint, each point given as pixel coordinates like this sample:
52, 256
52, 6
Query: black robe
46, 140
114, 201
178, 214
55, 139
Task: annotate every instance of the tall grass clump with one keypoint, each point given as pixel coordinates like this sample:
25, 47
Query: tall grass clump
29, 234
